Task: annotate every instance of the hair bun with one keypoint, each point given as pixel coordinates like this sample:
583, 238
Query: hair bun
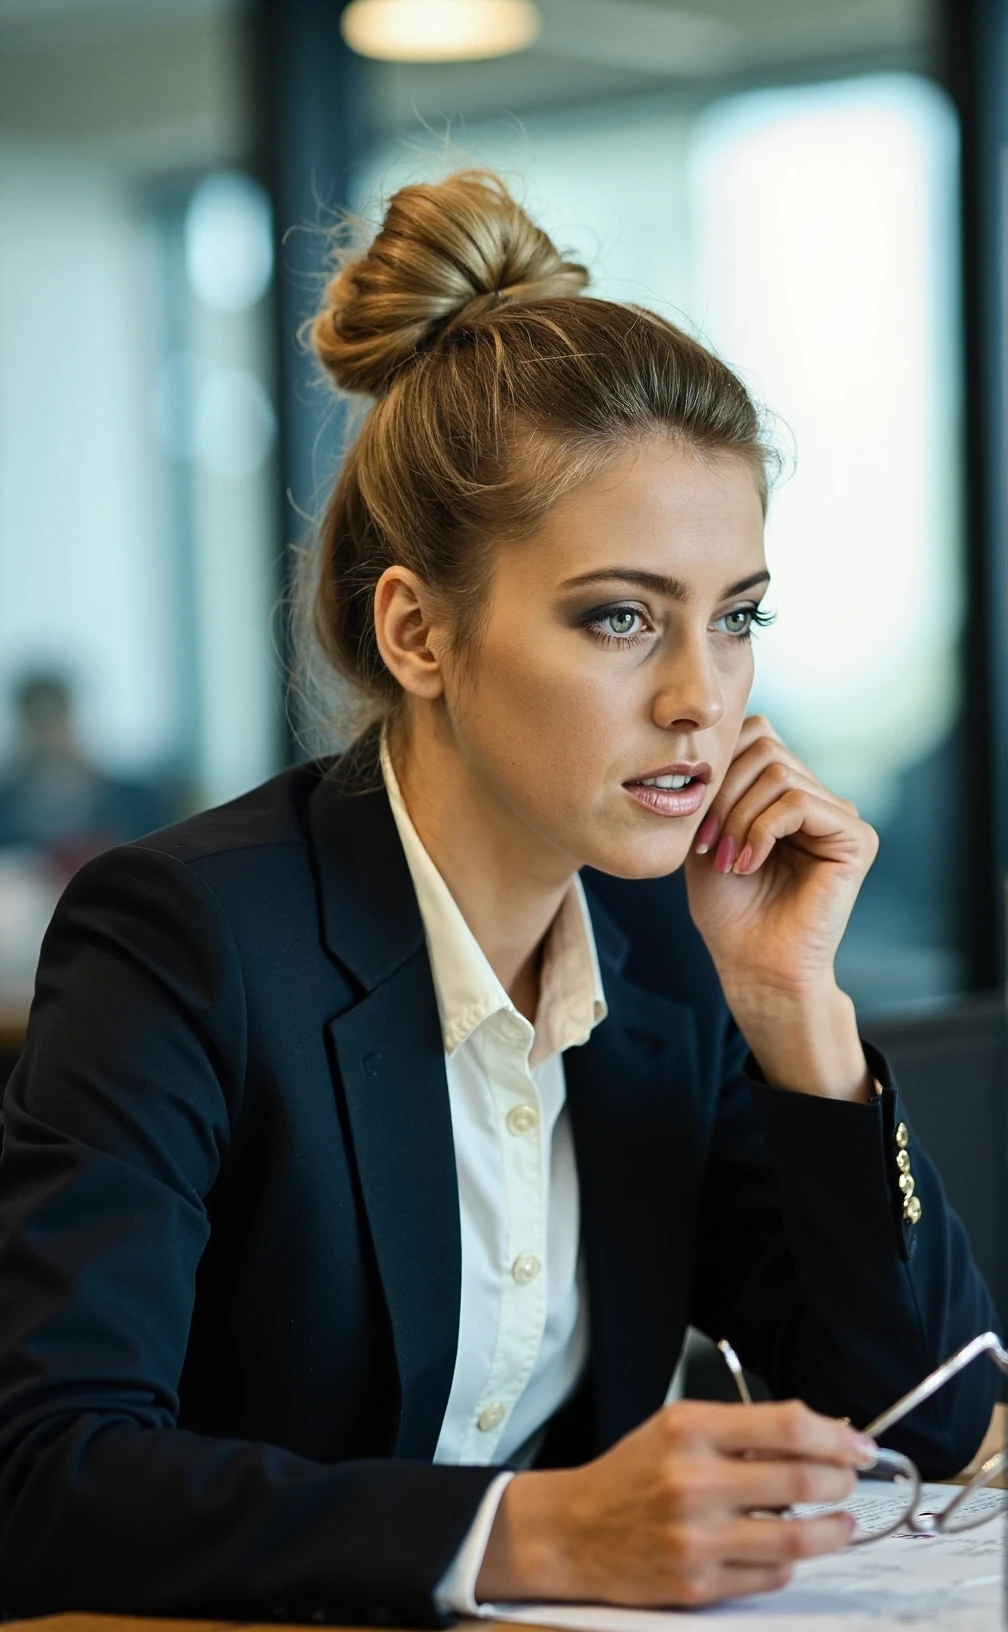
446, 254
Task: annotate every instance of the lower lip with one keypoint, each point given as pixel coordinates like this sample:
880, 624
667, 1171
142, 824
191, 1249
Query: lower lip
669, 801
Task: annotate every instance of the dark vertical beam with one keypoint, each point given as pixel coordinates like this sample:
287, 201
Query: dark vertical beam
307, 91
974, 66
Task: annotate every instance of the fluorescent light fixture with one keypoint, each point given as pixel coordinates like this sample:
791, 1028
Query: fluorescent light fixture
439, 30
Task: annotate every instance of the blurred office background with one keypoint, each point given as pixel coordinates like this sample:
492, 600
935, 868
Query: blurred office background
817, 187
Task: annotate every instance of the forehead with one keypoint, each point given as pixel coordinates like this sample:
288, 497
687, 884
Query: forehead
661, 508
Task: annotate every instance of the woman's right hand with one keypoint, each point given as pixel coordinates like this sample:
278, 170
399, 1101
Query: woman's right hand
680, 1511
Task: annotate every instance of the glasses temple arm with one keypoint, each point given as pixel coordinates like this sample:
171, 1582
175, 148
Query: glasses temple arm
986, 1343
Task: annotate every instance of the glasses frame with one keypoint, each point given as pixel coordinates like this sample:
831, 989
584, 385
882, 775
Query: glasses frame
900, 1466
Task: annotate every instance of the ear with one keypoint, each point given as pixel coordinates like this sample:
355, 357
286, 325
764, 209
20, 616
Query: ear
406, 634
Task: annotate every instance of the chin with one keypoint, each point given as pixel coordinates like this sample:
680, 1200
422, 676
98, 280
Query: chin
632, 859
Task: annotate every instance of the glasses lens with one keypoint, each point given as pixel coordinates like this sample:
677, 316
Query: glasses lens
976, 1507
883, 1503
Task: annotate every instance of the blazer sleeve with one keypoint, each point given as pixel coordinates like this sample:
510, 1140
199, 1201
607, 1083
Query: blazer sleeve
806, 1264
116, 1122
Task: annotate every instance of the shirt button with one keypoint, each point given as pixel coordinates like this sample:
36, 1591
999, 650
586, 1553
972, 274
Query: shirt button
522, 1119
491, 1416
525, 1268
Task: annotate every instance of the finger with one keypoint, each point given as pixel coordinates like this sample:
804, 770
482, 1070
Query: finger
772, 784
786, 1428
829, 832
779, 1483
742, 1579
783, 1541
731, 1581
753, 727
767, 757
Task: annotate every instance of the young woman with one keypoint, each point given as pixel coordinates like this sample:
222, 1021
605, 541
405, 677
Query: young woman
366, 1163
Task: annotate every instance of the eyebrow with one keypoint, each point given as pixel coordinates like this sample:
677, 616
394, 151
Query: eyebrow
673, 588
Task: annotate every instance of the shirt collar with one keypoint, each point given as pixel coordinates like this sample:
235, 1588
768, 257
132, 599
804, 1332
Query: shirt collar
571, 999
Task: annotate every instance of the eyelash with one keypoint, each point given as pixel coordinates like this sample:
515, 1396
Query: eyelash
593, 621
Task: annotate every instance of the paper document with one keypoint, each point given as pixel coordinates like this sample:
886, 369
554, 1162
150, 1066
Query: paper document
946, 1583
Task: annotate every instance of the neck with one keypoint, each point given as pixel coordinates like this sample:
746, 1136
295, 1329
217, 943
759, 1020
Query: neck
507, 886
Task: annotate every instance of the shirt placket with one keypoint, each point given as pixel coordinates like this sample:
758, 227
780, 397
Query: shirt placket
503, 1052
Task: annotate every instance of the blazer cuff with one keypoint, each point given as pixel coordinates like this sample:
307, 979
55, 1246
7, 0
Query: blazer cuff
862, 1140
456, 1590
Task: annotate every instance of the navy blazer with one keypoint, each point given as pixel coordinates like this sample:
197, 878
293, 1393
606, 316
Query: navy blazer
229, 1225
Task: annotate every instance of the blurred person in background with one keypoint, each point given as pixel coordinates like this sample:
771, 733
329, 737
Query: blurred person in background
58, 809
53, 798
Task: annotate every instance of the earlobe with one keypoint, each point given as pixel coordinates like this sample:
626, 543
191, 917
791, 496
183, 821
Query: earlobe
403, 632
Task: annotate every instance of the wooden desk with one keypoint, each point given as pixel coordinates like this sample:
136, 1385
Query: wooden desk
995, 1441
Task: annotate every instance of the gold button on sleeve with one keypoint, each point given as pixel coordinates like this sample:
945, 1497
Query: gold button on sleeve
902, 1136
912, 1209
906, 1184
903, 1160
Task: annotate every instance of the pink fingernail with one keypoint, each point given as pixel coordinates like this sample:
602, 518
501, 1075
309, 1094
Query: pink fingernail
706, 833
865, 1451
742, 865
725, 854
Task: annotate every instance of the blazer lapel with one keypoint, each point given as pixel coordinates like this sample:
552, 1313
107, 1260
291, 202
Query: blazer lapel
390, 1055
633, 1092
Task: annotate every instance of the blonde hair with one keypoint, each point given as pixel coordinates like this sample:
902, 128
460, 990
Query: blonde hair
498, 387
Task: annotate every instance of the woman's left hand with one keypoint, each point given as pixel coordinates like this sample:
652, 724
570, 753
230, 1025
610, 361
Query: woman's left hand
772, 877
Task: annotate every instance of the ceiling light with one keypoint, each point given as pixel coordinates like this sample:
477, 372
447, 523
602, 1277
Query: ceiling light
439, 30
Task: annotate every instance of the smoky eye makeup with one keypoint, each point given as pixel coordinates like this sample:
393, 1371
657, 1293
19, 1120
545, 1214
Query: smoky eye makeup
624, 624
616, 623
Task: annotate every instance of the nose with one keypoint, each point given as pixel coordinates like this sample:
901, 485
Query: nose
689, 696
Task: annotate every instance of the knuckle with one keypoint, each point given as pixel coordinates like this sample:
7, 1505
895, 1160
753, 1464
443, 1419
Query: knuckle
799, 1540
697, 1588
676, 1427
780, 1575
676, 1498
795, 1419
679, 1543
805, 1483
762, 726
777, 771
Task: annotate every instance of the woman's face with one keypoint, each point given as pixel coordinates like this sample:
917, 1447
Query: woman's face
615, 650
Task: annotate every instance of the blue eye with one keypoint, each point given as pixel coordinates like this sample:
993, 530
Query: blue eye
739, 621
615, 625
742, 620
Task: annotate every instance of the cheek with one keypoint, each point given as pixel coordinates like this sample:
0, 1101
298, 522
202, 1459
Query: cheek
530, 706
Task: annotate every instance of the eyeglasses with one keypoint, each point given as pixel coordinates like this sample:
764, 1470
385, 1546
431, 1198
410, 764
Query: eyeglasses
878, 1515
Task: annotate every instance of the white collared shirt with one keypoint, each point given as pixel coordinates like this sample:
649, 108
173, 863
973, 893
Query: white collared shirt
523, 1319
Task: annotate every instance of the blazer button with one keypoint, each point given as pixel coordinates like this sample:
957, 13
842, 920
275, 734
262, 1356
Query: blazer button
373, 1064
902, 1136
912, 1209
